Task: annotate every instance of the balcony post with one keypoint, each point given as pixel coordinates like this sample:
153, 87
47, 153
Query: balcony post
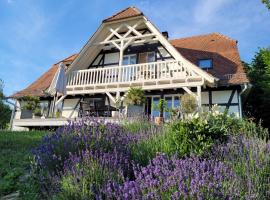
199, 97
121, 50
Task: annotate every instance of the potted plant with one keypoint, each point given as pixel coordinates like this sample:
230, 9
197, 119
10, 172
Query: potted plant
161, 107
135, 99
188, 104
32, 104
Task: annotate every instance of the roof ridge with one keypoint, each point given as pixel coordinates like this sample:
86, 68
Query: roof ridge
204, 35
65, 58
122, 11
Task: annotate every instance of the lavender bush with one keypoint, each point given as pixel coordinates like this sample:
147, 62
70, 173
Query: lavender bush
250, 159
190, 178
85, 174
80, 136
93, 160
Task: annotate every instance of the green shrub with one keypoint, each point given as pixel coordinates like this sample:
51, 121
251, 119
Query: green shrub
186, 137
188, 103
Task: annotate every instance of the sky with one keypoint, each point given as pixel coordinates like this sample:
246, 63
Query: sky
34, 34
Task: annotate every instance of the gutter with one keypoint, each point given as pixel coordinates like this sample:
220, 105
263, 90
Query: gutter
246, 86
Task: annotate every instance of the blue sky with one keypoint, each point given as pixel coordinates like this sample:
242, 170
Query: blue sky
34, 34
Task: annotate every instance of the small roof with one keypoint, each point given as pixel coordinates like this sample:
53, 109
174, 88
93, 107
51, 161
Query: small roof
123, 14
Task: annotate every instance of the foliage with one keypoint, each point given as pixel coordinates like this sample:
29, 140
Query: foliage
14, 163
5, 111
258, 101
90, 170
162, 106
92, 160
190, 178
135, 96
137, 126
188, 103
267, 3
32, 103
195, 136
250, 160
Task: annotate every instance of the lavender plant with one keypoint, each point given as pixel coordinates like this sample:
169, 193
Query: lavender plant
79, 136
250, 159
190, 178
85, 174
93, 160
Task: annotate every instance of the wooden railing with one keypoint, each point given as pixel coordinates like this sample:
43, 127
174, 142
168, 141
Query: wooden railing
145, 72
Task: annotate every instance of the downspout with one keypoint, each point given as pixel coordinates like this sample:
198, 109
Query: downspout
240, 99
244, 89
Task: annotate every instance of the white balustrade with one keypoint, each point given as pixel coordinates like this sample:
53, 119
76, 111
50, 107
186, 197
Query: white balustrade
145, 72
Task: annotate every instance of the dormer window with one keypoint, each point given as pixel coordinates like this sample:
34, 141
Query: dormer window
205, 63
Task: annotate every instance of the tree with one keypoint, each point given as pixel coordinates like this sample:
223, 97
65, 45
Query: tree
267, 3
258, 100
5, 111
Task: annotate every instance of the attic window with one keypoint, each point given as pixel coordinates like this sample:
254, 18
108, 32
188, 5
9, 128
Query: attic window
205, 63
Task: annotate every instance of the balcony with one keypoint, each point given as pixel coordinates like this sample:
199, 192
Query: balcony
155, 75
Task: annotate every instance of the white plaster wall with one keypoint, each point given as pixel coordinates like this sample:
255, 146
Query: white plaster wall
69, 108
223, 96
219, 97
205, 98
232, 110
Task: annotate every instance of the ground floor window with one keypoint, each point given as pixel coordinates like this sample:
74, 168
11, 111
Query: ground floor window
172, 101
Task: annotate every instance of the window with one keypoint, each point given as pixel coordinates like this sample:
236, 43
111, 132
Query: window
129, 59
205, 63
173, 101
151, 57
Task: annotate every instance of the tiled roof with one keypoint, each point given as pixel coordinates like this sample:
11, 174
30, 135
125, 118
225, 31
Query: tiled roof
221, 49
38, 87
126, 13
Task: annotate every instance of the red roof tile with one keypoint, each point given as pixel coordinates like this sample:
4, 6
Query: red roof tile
221, 49
126, 13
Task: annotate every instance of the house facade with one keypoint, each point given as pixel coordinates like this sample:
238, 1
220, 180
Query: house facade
127, 50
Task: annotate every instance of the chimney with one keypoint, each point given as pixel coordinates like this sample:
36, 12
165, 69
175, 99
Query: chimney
165, 34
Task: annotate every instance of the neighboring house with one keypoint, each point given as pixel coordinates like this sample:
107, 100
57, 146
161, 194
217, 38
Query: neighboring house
127, 50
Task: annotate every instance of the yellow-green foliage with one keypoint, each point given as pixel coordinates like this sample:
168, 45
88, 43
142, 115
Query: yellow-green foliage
188, 103
135, 96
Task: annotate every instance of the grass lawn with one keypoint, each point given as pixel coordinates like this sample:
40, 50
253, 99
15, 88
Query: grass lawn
15, 152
